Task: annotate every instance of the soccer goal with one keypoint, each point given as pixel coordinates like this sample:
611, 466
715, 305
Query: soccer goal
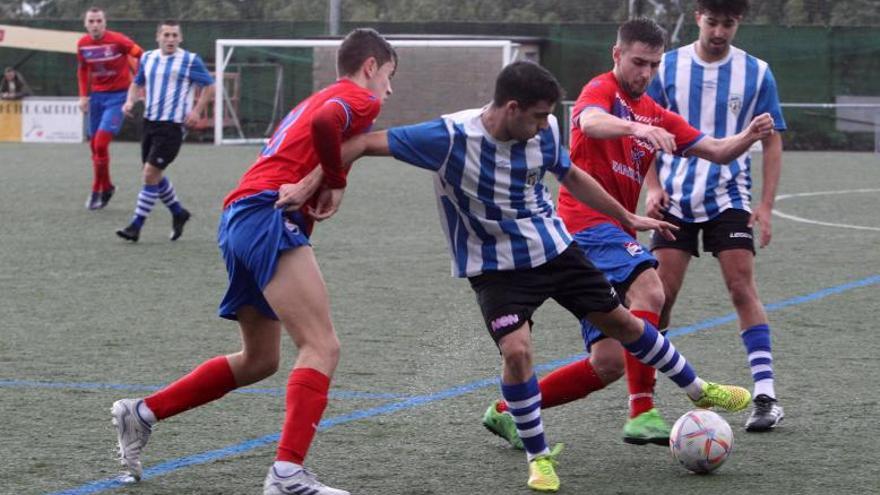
263, 78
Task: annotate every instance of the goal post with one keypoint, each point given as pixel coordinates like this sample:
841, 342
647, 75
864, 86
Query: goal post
496, 51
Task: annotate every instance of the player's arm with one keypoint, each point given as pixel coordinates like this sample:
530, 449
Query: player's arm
134, 56
130, 99
586, 190
723, 151
199, 75
656, 199
771, 171
596, 123
82, 77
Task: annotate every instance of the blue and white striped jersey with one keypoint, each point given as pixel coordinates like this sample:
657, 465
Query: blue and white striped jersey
495, 210
719, 99
168, 80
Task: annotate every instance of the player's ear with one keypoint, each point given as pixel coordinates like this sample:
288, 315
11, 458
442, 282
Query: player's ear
370, 67
615, 53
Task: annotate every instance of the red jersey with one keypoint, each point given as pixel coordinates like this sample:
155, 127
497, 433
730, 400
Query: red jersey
290, 154
619, 165
103, 63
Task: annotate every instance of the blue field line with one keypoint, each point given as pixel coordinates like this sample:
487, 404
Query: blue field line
334, 394
415, 401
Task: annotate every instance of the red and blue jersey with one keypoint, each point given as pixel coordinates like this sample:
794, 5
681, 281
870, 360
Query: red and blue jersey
291, 153
619, 165
104, 63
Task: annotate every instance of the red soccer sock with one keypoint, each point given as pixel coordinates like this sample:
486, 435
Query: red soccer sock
307, 390
209, 381
640, 377
569, 383
101, 161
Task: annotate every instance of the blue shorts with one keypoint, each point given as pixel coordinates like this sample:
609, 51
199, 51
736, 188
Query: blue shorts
252, 235
620, 257
105, 111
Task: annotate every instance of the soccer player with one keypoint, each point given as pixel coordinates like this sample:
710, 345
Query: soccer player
718, 88
166, 75
106, 60
617, 129
274, 279
505, 238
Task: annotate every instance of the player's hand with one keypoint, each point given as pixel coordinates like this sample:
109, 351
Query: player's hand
658, 137
84, 104
656, 203
127, 108
328, 204
761, 216
292, 197
192, 118
665, 229
761, 126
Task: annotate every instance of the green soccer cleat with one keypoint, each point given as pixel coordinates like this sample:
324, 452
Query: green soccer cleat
502, 424
648, 427
727, 397
542, 471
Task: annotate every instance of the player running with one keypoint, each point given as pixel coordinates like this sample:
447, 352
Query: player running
106, 61
505, 238
166, 75
617, 130
727, 86
274, 279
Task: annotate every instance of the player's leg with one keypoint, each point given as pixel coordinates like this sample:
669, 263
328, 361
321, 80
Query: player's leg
298, 296
507, 301
93, 201
731, 241
169, 142
672, 270
211, 380
111, 118
644, 341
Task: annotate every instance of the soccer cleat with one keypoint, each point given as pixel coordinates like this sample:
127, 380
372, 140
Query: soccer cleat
502, 424
177, 223
542, 471
766, 414
129, 233
132, 434
727, 397
106, 195
93, 202
301, 482
648, 427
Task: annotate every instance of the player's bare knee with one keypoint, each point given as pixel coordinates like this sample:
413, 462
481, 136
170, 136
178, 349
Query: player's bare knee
609, 366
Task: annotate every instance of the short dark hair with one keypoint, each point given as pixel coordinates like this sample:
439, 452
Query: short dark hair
641, 30
527, 83
167, 22
94, 10
730, 8
358, 46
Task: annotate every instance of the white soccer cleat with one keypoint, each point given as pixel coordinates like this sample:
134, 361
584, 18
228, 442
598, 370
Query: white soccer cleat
299, 483
132, 434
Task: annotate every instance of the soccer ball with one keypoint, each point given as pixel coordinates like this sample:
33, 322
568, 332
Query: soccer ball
701, 441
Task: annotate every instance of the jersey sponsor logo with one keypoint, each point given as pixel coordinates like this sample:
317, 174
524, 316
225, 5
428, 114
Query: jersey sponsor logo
633, 248
505, 321
740, 235
735, 104
626, 171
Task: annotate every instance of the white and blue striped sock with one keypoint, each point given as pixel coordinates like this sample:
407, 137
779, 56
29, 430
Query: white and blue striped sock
655, 350
145, 203
757, 342
524, 404
169, 196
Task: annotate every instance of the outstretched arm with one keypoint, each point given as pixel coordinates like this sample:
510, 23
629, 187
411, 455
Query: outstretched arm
724, 151
599, 124
585, 188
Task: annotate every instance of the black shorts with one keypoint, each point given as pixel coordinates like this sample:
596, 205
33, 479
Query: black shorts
160, 143
729, 230
508, 298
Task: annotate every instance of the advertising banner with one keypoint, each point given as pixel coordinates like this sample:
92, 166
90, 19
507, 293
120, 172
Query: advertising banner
51, 120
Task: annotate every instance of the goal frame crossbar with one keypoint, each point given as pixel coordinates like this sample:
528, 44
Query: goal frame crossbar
225, 47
